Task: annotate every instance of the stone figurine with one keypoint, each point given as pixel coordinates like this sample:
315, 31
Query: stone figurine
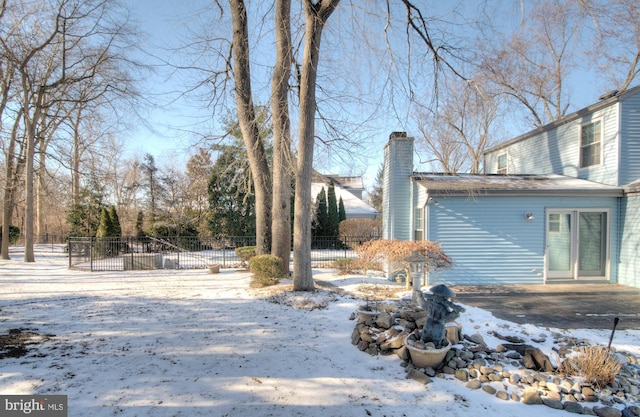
440, 311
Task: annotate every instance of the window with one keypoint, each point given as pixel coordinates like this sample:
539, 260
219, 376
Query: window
577, 243
554, 223
590, 144
502, 163
418, 233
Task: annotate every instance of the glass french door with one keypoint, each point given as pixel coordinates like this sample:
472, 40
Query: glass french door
576, 244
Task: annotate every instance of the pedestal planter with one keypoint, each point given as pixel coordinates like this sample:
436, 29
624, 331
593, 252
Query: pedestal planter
425, 358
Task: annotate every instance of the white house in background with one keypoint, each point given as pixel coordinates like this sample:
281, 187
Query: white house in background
350, 189
559, 204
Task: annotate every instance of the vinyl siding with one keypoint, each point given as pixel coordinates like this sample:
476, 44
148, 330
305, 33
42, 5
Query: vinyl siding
557, 150
490, 241
629, 269
397, 207
630, 140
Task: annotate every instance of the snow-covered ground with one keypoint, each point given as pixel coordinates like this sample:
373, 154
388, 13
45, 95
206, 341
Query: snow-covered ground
187, 343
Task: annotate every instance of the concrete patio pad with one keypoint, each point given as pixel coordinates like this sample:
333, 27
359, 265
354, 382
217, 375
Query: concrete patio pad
565, 306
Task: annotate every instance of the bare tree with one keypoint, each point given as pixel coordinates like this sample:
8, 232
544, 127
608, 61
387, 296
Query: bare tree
316, 16
461, 127
282, 157
249, 125
617, 39
54, 47
532, 66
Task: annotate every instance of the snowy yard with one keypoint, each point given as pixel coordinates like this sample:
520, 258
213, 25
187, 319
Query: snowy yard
186, 343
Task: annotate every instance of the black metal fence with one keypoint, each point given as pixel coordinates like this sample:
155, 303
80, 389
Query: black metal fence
185, 252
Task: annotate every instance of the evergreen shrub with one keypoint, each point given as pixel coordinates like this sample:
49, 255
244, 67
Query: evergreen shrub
14, 234
245, 253
267, 270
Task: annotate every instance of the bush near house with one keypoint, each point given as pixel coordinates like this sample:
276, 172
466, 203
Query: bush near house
375, 253
267, 270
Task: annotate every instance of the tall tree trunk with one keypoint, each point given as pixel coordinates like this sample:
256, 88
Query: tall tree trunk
281, 207
316, 15
75, 162
249, 126
30, 129
41, 221
14, 164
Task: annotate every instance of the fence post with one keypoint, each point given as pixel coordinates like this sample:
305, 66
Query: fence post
91, 254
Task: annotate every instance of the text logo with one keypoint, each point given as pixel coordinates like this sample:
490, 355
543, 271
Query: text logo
33, 405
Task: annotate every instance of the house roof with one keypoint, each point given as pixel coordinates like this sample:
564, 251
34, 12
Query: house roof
632, 188
353, 206
605, 101
494, 184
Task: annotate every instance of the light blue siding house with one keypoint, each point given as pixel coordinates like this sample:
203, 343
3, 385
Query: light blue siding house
559, 204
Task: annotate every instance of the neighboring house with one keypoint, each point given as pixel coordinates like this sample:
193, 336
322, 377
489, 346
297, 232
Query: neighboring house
350, 189
559, 204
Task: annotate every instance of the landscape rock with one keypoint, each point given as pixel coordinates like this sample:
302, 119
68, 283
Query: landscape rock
503, 395
474, 384
530, 396
573, 407
551, 403
489, 389
421, 377
607, 412
462, 375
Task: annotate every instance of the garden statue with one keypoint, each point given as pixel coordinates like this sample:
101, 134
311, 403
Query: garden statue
440, 311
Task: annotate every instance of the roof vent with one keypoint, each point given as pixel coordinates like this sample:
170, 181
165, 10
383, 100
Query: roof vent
609, 94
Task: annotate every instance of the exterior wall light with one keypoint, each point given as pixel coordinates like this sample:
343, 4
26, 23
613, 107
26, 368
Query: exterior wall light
528, 215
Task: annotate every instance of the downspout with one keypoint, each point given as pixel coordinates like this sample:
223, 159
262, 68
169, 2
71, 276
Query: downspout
425, 231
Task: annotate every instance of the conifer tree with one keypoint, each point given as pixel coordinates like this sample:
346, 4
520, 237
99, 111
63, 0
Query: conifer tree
321, 214
105, 226
116, 230
139, 225
342, 214
333, 218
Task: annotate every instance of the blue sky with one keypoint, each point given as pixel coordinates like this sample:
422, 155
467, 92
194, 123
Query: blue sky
175, 122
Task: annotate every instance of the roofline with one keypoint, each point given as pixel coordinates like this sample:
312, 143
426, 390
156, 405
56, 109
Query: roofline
482, 192
568, 118
605, 191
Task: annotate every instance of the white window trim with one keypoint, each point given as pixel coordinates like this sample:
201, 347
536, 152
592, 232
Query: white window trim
582, 125
506, 168
607, 250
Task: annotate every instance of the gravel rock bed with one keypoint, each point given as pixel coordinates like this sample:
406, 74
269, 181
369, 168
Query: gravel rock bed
512, 371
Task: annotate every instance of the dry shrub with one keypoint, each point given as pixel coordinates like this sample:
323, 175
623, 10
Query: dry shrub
596, 365
373, 254
346, 266
354, 232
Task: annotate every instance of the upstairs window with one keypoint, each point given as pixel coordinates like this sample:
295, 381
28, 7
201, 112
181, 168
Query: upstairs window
591, 144
502, 164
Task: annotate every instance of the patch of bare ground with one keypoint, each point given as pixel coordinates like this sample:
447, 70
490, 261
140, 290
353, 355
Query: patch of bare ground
16, 342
